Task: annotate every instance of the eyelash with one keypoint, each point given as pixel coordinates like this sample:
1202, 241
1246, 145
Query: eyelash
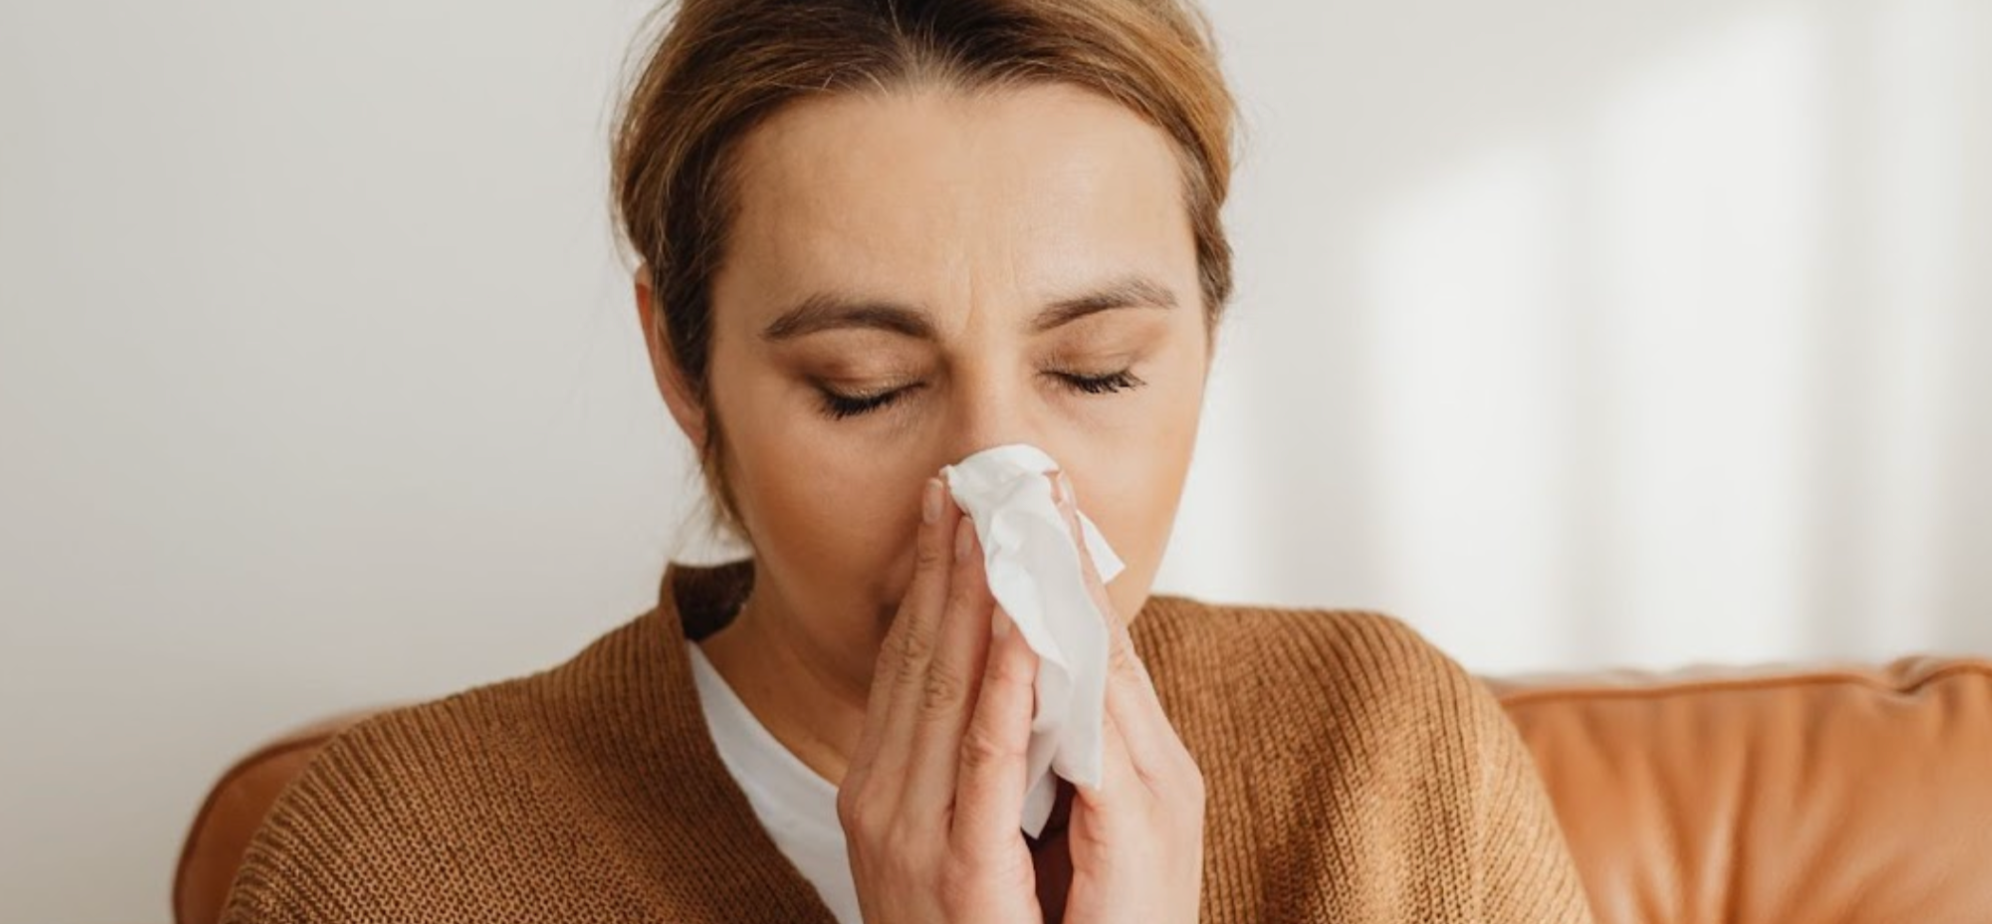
838, 406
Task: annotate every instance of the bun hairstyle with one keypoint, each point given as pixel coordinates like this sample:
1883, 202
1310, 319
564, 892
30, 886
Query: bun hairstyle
720, 67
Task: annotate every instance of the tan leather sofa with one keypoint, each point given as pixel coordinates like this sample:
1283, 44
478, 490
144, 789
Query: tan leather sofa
1767, 795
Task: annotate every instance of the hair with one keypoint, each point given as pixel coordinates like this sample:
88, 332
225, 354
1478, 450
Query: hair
721, 67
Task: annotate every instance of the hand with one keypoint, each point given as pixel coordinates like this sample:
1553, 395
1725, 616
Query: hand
1136, 843
931, 801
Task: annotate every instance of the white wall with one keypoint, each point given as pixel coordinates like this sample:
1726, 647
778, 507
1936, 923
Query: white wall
1576, 333
1629, 333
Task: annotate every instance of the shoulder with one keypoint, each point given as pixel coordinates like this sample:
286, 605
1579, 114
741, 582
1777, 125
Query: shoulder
1366, 756
382, 812
1361, 652
419, 809
1367, 673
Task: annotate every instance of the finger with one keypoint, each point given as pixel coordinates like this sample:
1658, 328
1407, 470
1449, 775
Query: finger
1131, 696
905, 670
1121, 778
939, 713
1067, 498
989, 789
897, 666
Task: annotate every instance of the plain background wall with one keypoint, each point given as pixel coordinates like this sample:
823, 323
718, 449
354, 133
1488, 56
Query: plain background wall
1577, 333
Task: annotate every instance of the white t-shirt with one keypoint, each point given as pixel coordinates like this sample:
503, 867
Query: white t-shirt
796, 805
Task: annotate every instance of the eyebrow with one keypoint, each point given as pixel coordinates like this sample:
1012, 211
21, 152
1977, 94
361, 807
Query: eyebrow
828, 311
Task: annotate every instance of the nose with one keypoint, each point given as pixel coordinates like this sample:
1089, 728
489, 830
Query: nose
986, 407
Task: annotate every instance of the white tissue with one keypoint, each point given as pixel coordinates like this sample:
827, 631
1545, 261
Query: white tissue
1036, 575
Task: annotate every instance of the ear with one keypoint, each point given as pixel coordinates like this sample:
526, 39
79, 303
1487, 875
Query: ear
664, 367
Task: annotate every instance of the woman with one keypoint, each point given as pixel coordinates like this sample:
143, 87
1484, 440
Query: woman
877, 237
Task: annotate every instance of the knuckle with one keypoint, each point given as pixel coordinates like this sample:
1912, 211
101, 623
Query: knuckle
930, 555
1186, 780
858, 815
904, 671
919, 644
847, 803
942, 691
890, 653
982, 746
1009, 671
1194, 786
966, 589
1121, 658
911, 662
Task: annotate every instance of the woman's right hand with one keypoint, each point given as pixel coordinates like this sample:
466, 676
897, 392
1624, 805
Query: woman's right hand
931, 800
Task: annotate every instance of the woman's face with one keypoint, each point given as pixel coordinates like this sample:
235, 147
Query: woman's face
917, 275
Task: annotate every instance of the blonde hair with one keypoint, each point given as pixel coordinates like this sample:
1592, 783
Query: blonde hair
723, 66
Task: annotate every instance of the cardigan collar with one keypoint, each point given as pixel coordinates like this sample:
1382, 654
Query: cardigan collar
696, 600
690, 783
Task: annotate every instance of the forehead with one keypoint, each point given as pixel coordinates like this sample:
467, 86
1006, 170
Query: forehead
954, 199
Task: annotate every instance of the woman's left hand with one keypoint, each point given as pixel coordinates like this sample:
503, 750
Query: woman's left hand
1136, 843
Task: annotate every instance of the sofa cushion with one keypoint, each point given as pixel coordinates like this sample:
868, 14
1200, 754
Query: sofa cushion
234, 807
1859, 795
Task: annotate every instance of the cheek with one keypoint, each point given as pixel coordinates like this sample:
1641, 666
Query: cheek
833, 519
1134, 504
1131, 484
1133, 498
812, 494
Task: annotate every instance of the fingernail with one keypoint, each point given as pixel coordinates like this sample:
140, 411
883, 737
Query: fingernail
930, 502
1002, 623
964, 535
1065, 489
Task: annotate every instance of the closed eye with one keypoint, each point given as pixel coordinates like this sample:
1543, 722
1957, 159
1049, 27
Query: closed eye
838, 405
1102, 384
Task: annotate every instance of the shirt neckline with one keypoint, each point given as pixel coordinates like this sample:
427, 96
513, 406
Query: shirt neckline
803, 802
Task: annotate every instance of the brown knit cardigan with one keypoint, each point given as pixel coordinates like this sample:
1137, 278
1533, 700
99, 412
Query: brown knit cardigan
1353, 774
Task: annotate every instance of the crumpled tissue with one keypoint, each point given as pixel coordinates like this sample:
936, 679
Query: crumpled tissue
1036, 575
